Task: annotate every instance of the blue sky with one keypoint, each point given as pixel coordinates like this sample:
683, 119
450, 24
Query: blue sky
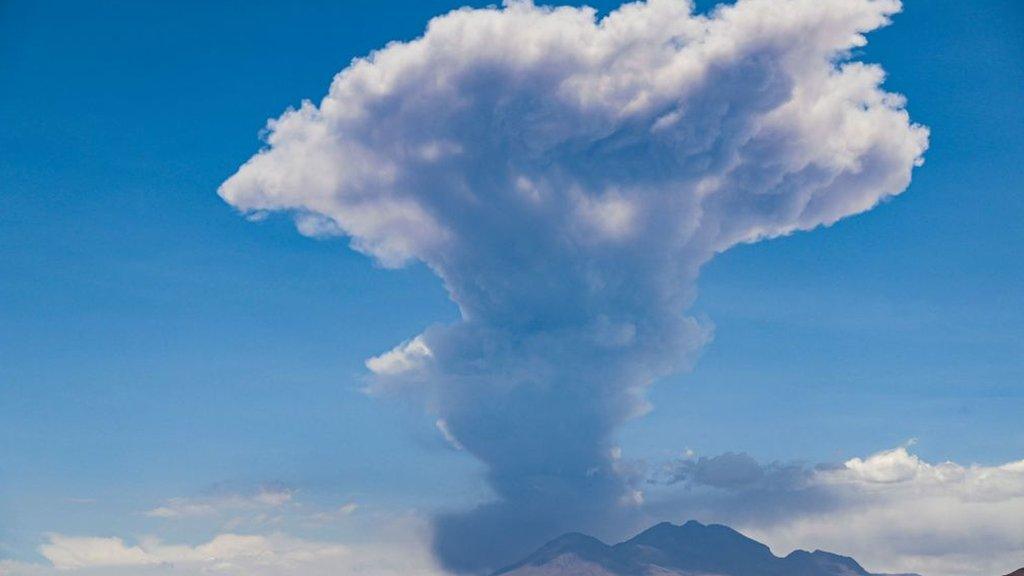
154, 344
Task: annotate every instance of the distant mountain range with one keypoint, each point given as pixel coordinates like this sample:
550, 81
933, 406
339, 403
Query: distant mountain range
693, 549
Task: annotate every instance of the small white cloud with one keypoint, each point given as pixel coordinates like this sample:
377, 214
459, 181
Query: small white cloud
273, 498
442, 426
182, 508
890, 466
406, 357
264, 498
334, 515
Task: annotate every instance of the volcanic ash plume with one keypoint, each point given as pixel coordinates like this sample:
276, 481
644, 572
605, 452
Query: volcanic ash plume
566, 176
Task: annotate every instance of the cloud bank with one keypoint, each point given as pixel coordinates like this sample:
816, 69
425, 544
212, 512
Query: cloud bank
566, 176
227, 554
892, 511
349, 541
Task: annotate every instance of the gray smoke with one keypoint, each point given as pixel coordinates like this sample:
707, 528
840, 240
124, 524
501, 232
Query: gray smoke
566, 177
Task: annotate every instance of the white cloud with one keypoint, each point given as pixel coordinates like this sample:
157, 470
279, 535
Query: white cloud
446, 432
265, 498
228, 553
892, 511
66, 552
232, 555
904, 514
422, 135
407, 357
567, 176
181, 508
330, 516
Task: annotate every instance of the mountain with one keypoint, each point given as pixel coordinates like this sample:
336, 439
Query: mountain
692, 549
1017, 573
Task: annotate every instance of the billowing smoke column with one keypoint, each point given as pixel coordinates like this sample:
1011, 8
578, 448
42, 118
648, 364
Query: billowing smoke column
566, 177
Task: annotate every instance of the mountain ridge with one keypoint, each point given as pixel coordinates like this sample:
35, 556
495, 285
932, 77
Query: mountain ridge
689, 549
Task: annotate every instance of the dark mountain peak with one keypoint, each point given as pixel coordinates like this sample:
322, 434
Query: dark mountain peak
659, 530
573, 541
688, 529
570, 537
693, 534
694, 547
575, 544
798, 554
1017, 573
803, 562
